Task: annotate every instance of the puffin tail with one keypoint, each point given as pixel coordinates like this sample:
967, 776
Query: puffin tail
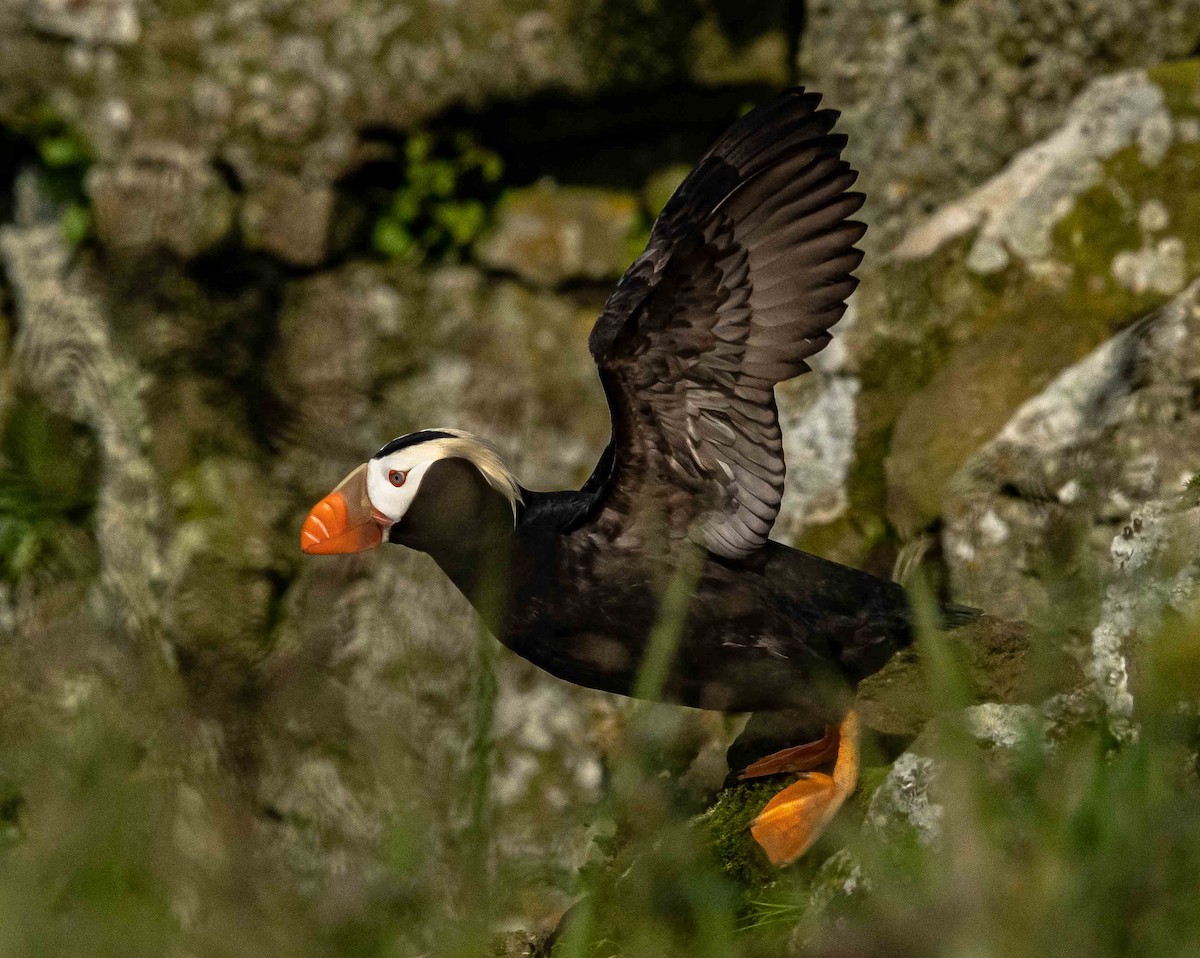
955, 616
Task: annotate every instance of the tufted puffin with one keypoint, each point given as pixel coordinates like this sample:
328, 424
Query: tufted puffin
747, 268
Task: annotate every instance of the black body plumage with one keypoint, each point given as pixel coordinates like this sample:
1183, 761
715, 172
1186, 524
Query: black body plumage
777, 629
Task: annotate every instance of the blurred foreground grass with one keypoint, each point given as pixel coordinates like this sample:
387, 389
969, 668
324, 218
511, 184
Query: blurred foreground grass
117, 839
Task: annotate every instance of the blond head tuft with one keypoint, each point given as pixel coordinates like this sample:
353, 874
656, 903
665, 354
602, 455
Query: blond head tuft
483, 455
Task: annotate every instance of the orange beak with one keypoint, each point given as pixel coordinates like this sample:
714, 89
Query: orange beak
344, 521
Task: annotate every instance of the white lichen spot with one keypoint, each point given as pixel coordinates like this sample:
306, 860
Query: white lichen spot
76, 691
1156, 268
1000, 725
961, 548
841, 875
1127, 601
987, 257
1141, 541
589, 774
993, 528
1068, 493
1153, 217
850, 885
1155, 137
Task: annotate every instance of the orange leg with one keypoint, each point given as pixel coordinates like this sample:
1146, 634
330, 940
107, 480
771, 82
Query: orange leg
794, 819
798, 758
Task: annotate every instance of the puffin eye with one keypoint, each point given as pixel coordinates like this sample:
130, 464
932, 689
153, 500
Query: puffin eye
397, 476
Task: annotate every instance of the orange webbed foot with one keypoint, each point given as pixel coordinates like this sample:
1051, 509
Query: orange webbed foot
795, 818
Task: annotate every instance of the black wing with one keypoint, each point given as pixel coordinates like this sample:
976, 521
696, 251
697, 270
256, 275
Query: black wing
747, 268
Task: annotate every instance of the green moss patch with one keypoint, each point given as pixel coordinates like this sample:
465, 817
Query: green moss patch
49, 475
727, 829
1180, 82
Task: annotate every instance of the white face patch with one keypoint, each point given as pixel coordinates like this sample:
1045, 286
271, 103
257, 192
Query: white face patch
391, 499
414, 461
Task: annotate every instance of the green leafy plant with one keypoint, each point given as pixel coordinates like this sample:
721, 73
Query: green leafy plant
443, 206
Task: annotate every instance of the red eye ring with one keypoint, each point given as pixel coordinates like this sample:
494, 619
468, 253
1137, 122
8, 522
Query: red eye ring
397, 476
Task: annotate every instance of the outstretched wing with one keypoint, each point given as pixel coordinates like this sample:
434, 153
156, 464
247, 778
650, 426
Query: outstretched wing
747, 268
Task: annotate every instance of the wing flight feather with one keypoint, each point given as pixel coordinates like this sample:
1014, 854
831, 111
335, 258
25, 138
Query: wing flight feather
747, 268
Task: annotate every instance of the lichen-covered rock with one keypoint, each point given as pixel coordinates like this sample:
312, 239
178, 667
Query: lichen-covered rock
222, 571
1155, 573
289, 218
328, 730
161, 196
1116, 429
819, 419
334, 697
985, 304
324, 363
1015, 213
283, 93
549, 234
64, 352
997, 725
938, 96
370, 727
993, 657
726, 826
907, 801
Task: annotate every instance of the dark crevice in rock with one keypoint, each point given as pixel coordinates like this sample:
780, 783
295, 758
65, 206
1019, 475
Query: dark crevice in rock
230, 693
617, 140
229, 175
742, 22
1030, 495
223, 307
280, 583
249, 290
16, 152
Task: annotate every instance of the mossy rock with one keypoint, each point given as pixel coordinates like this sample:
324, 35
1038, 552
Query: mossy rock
988, 661
550, 235
727, 830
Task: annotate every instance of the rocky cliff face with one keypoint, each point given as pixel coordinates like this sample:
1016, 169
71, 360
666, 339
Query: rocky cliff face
245, 243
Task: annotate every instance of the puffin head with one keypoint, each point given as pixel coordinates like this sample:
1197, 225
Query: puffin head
425, 487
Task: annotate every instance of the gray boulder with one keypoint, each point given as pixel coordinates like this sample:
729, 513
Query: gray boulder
1113, 431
